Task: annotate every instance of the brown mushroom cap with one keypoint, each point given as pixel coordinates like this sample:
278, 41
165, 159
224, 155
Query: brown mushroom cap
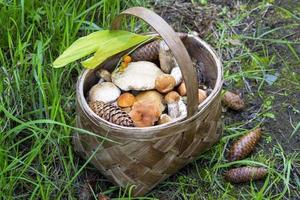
126, 100
172, 97
202, 95
182, 89
151, 96
144, 114
165, 83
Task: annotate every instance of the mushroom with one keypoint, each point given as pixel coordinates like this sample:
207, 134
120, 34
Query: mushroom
182, 108
182, 89
165, 83
202, 95
172, 99
126, 100
147, 108
164, 118
104, 75
139, 76
106, 92
152, 96
176, 73
165, 57
145, 113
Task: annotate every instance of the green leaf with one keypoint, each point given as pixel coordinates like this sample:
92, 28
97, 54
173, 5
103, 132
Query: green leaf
105, 43
120, 42
80, 48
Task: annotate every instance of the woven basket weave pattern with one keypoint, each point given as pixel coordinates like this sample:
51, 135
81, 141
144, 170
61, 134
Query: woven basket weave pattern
147, 163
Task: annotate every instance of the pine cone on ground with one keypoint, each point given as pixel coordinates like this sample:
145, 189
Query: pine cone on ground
111, 113
245, 145
245, 174
233, 101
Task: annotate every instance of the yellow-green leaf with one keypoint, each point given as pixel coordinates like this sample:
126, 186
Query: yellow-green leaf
100, 41
113, 46
81, 47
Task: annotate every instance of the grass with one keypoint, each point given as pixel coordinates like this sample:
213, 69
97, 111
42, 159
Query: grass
37, 103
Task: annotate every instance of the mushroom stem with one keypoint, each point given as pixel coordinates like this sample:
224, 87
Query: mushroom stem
177, 109
165, 57
176, 73
182, 108
172, 99
173, 110
101, 80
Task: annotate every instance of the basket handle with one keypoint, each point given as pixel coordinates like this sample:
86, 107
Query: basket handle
176, 46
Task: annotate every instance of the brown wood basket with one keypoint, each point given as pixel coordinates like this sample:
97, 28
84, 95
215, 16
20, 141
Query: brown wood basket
146, 156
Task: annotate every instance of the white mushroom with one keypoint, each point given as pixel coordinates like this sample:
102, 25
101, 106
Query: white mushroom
139, 75
182, 108
176, 73
106, 92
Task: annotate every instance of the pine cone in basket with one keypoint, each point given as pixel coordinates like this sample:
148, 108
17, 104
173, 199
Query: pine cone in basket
150, 51
111, 113
245, 174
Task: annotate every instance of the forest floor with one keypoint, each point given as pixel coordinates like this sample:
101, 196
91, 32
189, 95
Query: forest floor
258, 42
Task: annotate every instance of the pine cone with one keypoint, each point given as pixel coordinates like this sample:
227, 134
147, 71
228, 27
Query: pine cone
233, 101
245, 174
150, 51
111, 113
103, 197
245, 145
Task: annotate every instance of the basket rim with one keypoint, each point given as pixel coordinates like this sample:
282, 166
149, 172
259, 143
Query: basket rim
153, 131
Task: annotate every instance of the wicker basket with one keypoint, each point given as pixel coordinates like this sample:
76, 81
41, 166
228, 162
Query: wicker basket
145, 157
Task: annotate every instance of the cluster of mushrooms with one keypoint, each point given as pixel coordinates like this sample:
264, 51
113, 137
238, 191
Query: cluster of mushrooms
148, 93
